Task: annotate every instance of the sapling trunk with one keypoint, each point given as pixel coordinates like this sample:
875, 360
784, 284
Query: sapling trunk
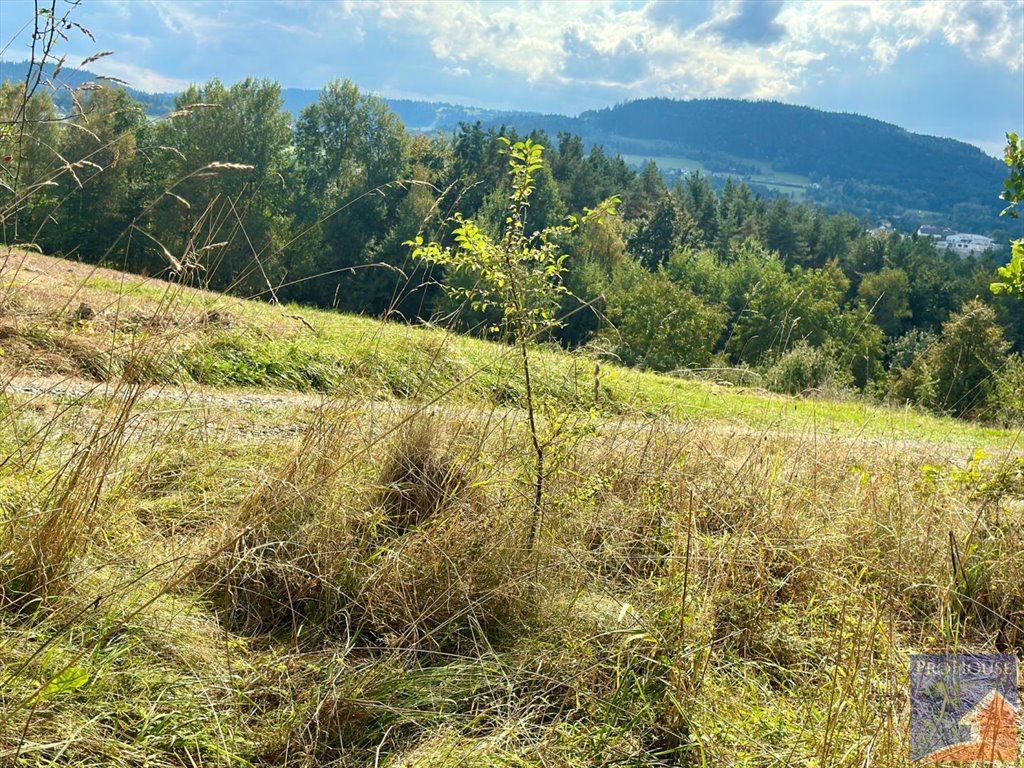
538, 449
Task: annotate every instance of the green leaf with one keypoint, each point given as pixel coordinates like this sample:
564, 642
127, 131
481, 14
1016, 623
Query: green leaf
70, 679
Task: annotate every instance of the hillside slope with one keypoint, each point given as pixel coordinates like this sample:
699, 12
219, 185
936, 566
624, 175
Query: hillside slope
218, 341
237, 534
903, 169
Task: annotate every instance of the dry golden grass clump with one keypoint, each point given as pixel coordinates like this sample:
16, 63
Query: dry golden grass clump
418, 481
406, 550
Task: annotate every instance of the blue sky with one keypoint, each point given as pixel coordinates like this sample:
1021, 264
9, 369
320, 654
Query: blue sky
944, 68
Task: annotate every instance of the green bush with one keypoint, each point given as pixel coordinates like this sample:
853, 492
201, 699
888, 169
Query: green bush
958, 373
1009, 392
972, 349
914, 384
661, 325
803, 368
903, 350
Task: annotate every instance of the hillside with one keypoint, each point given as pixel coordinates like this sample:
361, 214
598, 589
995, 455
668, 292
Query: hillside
300, 349
856, 161
70, 78
239, 534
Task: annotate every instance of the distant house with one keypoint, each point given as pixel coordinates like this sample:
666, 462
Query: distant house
883, 228
966, 244
963, 243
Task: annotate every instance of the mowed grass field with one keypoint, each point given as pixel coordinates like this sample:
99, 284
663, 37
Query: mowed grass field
237, 533
779, 181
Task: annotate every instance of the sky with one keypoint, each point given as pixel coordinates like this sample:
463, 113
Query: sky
951, 69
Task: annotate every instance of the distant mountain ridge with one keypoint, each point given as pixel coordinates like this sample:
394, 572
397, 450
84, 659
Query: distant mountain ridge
856, 161
840, 160
157, 104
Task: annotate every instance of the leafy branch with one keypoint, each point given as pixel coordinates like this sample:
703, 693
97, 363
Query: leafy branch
1013, 193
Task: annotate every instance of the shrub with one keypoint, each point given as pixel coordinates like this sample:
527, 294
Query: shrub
804, 368
972, 349
903, 350
914, 384
956, 374
661, 325
1008, 399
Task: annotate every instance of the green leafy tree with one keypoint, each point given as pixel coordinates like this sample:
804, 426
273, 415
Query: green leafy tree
702, 272
347, 145
902, 351
99, 202
886, 294
29, 161
519, 273
858, 344
969, 354
659, 324
225, 177
915, 383
959, 373
1009, 392
776, 309
938, 279
598, 251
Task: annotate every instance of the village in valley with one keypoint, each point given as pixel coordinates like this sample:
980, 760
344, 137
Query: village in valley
946, 239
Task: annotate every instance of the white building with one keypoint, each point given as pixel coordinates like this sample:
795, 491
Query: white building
966, 244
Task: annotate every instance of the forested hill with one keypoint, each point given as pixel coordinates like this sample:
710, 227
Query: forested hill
800, 140
857, 162
845, 162
842, 161
68, 79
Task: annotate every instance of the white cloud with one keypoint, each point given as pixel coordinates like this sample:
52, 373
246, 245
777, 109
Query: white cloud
554, 55
645, 49
191, 20
139, 78
990, 30
743, 48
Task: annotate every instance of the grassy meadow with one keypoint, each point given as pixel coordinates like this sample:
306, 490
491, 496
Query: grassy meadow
244, 534
778, 181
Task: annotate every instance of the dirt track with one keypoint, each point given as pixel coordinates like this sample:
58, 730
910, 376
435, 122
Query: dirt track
46, 391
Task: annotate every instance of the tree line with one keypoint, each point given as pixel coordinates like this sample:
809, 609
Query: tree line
318, 208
